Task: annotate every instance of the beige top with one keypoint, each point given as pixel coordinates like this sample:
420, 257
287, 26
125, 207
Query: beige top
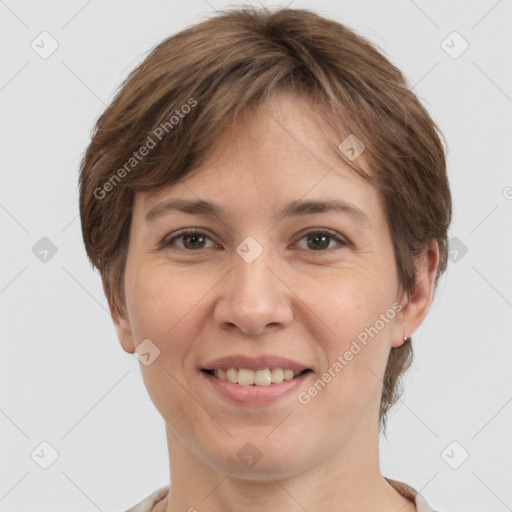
148, 503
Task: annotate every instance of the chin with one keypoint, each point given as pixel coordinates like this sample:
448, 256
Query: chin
259, 458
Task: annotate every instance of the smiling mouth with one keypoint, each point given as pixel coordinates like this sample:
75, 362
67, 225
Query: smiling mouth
248, 377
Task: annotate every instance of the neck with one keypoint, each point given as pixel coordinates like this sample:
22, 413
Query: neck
349, 479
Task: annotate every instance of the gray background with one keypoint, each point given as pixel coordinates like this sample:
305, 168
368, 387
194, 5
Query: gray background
64, 377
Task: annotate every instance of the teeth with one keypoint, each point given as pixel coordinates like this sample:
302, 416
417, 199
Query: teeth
288, 374
276, 375
232, 375
263, 377
246, 377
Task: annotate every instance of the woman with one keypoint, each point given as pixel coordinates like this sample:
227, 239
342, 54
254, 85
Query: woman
268, 206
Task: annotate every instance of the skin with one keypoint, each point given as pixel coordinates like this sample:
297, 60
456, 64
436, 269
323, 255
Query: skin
298, 299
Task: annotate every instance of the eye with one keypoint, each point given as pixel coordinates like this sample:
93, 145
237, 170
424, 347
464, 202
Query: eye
191, 240
319, 240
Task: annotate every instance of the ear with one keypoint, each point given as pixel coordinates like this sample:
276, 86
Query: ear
121, 323
417, 303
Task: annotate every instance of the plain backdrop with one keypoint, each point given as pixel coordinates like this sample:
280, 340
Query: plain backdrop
64, 378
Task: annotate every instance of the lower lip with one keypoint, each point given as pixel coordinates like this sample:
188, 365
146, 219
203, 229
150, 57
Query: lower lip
255, 395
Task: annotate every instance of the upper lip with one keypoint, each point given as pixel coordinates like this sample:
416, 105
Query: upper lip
255, 363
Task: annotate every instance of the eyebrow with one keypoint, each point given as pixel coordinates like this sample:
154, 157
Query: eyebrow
292, 209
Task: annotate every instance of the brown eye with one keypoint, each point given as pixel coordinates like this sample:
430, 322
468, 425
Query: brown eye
191, 240
320, 240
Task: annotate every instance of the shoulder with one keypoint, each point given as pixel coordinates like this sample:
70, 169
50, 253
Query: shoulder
410, 493
148, 503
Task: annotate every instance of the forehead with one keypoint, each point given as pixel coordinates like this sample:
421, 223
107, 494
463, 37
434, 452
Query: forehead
287, 126
280, 150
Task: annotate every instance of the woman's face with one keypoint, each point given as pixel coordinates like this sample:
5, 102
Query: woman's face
248, 288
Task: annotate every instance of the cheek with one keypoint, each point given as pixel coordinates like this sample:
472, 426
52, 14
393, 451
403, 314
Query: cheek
358, 339
159, 303
347, 302
163, 311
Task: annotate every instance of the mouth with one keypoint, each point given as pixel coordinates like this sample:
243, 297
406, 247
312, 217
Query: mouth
258, 380
260, 377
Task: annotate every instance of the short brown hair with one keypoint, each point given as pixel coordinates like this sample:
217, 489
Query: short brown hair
240, 58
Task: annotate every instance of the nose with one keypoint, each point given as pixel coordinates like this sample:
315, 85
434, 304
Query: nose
253, 299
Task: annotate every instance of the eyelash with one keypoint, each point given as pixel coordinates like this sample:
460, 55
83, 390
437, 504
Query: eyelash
331, 234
